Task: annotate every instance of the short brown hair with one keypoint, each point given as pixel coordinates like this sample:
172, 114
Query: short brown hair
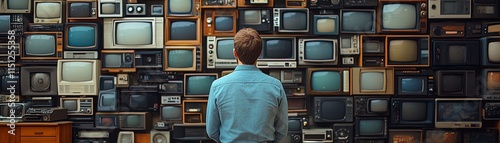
248, 45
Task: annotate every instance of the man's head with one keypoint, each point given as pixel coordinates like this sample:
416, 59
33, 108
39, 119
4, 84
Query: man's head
247, 46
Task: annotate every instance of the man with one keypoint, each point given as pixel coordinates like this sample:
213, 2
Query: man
247, 106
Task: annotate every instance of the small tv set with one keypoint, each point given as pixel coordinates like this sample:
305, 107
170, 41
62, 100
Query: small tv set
19, 110
198, 84
181, 58
255, 3
110, 8
371, 106
183, 8
326, 24
107, 120
220, 52
278, 52
315, 51
291, 20
458, 113
445, 9
349, 44
42, 46
260, 19
405, 135
81, 9
371, 126
48, 11
39, 80
414, 82
107, 101
405, 51
183, 31
442, 136
490, 46
402, 16
372, 81
220, 22
412, 112
458, 83
15, 6
194, 111
373, 50
78, 106
360, 21
78, 77
490, 80
333, 109
125, 137
81, 37
133, 33
5, 25
135, 121
456, 53
118, 61
328, 81
485, 9
171, 113
132, 101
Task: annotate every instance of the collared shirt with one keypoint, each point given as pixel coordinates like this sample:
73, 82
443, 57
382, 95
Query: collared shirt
247, 106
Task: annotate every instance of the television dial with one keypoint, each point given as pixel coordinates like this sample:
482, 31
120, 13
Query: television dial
209, 20
438, 30
139, 9
130, 9
423, 6
423, 13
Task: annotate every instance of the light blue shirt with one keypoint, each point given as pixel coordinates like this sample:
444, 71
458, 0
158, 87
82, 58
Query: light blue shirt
247, 106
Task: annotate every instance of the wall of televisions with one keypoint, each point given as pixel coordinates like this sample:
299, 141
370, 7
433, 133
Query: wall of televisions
363, 71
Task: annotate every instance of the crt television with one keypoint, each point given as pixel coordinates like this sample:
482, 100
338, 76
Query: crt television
318, 51
410, 50
133, 33
106, 120
414, 82
360, 21
456, 52
132, 101
333, 109
402, 16
490, 46
259, 19
372, 80
371, 106
291, 20
171, 113
132, 121
183, 31
457, 83
184, 8
39, 80
81, 9
490, 81
198, 84
371, 127
278, 52
110, 8
81, 36
220, 52
328, 81
412, 112
15, 6
48, 11
326, 24
220, 22
78, 77
42, 46
458, 113
107, 101
181, 58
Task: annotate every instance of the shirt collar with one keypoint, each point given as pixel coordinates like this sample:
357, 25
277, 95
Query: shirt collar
246, 68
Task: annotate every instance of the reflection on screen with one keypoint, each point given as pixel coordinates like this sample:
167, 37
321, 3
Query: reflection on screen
458, 111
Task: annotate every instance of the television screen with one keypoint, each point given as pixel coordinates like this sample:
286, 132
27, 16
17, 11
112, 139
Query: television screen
199, 84
325, 25
319, 50
7, 108
171, 113
48, 10
134, 121
18, 4
77, 71
4, 23
183, 30
358, 21
328, 105
138, 100
457, 54
40, 45
452, 83
180, 58
277, 49
403, 50
80, 9
294, 125
180, 7
372, 81
373, 46
107, 122
294, 20
109, 8
225, 49
81, 36
493, 80
134, 33
493, 49
378, 105
107, 99
399, 16
223, 23
412, 84
71, 105
413, 111
252, 17
458, 111
371, 127
112, 60
326, 81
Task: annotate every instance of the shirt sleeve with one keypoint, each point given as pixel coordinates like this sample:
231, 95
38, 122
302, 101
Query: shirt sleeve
212, 117
281, 122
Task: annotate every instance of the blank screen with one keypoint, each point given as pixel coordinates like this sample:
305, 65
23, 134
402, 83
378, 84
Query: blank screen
80, 9
70, 105
224, 23
48, 10
403, 51
108, 99
171, 113
414, 111
294, 20
134, 33
493, 50
333, 110
412, 85
319, 50
456, 54
278, 49
399, 16
453, 7
372, 81
493, 81
199, 85
373, 46
294, 125
180, 6
252, 17
108, 8
225, 49
4, 23
371, 127
138, 101
346, 42
77, 71
325, 81
40, 45
81, 36
180, 58
112, 60
358, 21
325, 25
183, 30
452, 83
456, 111
18, 4
134, 121
378, 105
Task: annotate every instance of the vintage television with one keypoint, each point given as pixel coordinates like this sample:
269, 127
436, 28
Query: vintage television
39, 80
360, 21
220, 52
373, 50
10, 76
412, 112
170, 113
371, 106
82, 106
490, 46
131, 101
219, 4
324, 4
255, 3
443, 9
490, 79
42, 46
315, 51
326, 24
442, 136
133, 33
184, 8
291, 20
458, 113
183, 31
139, 121
414, 82
349, 44
194, 111
278, 52
125, 137
48, 11
405, 135
118, 61
110, 8
12, 24
81, 9
220, 22
182, 58
328, 81
259, 19
15, 6
81, 37
333, 109
198, 84
455, 52
372, 81
107, 101
407, 16
294, 134
78, 77
19, 110
485, 9
407, 50
475, 29
371, 126
461, 83
107, 120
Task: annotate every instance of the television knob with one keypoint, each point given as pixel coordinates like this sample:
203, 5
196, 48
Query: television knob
264, 12
211, 46
438, 30
210, 52
433, 6
423, 13
130, 9
139, 9
88, 111
209, 20
423, 6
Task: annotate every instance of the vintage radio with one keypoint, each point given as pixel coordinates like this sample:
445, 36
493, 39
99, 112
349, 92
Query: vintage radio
148, 59
359, 3
45, 114
118, 61
170, 99
78, 106
443, 9
45, 27
135, 9
43, 101
33, 50
9, 98
48, 11
9, 52
487, 9
81, 9
447, 29
255, 3
287, 76
290, 3
10, 80
15, 23
154, 76
481, 29
491, 110
318, 135
402, 16
163, 126
343, 132
324, 4
81, 55
218, 4
171, 87
349, 45
220, 22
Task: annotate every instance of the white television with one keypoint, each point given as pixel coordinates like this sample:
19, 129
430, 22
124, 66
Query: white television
110, 8
78, 77
48, 11
133, 33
